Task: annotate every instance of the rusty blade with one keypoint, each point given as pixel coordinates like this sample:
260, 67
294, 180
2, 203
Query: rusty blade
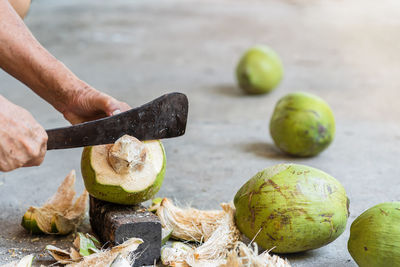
164, 117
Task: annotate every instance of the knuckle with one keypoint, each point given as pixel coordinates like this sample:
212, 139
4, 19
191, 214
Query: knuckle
39, 135
37, 152
27, 148
45, 137
19, 164
6, 168
108, 102
37, 161
41, 159
11, 165
126, 106
32, 150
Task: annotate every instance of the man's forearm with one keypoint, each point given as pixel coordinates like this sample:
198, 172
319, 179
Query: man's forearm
23, 57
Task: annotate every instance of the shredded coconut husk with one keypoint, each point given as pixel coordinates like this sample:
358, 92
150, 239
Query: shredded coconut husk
213, 251
222, 239
221, 248
60, 214
246, 256
188, 224
102, 258
106, 257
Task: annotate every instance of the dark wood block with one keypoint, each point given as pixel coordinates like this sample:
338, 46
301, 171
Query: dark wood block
116, 223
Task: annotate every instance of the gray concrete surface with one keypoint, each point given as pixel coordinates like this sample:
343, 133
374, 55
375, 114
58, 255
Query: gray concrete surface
344, 51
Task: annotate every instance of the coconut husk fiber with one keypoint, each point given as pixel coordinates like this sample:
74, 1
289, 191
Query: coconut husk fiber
217, 239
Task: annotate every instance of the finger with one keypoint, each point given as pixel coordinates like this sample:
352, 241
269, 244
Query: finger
72, 118
76, 119
35, 162
39, 159
122, 106
111, 106
6, 167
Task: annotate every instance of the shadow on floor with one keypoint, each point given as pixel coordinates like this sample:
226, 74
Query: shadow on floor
299, 256
229, 90
264, 150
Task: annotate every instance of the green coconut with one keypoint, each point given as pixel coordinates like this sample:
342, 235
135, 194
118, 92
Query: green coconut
127, 172
375, 236
291, 208
302, 124
259, 70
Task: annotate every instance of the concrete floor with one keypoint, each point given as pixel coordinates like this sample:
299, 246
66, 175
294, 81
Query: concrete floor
347, 52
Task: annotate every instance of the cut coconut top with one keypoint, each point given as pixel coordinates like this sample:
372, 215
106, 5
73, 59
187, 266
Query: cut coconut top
135, 168
127, 154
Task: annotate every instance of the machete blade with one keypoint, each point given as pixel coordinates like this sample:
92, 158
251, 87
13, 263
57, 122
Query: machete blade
164, 117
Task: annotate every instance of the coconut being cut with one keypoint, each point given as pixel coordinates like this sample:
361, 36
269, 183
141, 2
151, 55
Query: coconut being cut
126, 172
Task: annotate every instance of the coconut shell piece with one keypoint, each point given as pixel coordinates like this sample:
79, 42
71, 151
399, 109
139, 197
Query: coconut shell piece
86, 245
165, 235
60, 214
24, 262
63, 256
107, 257
155, 204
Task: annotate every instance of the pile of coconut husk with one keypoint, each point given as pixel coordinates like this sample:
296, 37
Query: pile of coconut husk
211, 238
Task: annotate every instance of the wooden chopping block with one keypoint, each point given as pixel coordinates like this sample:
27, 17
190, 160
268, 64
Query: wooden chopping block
116, 223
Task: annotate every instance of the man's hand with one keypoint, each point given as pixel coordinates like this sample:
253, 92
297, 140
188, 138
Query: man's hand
22, 140
89, 104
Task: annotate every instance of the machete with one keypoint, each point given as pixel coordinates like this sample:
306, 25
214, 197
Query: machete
164, 117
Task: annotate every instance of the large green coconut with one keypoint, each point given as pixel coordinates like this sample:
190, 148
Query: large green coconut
291, 208
259, 70
375, 236
128, 172
302, 124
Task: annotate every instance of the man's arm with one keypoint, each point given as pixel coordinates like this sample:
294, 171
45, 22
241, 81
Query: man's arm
23, 57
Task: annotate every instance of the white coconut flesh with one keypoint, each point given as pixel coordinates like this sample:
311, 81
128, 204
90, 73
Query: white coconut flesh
129, 169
